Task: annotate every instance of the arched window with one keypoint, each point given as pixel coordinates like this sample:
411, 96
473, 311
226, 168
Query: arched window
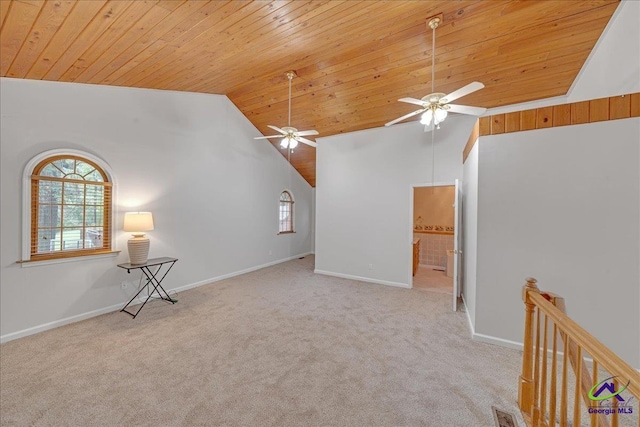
286, 213
71, 207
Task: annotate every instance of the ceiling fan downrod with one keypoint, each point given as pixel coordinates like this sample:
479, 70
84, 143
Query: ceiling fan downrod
289, 140
290, 135
433, 23
290, 76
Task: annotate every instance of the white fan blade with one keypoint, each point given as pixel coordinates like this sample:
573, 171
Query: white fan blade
277, 129
307, 133
267, 137
463, 91
306, 141
419, 102
465, 109
406, 116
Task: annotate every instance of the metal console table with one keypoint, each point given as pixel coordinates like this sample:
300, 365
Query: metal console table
151, 280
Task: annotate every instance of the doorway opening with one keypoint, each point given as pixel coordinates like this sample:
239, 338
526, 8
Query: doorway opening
434, 238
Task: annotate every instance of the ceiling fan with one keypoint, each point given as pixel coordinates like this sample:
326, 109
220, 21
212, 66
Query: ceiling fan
435, 106
290, 135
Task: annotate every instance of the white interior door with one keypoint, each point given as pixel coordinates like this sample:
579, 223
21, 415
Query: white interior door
457, 244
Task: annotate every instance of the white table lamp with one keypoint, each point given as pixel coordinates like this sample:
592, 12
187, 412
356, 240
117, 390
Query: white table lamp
137, 223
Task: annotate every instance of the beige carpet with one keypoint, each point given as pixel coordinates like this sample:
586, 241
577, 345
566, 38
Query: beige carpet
280, 346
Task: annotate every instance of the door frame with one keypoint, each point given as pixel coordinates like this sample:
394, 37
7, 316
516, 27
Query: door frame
411, 196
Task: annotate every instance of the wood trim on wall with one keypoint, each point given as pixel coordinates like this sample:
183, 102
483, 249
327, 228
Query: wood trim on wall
595, 110
475, 133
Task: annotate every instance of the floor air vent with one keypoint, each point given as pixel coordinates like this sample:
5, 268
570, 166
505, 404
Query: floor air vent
503, 419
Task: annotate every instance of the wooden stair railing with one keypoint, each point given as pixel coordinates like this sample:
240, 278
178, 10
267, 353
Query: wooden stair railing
540, 401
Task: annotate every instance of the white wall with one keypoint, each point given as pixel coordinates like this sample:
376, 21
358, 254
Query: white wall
470, 232
562, 205
188, 158
613, 67
364, 195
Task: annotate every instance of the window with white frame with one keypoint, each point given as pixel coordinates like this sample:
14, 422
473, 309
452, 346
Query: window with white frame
286, 213
70, 207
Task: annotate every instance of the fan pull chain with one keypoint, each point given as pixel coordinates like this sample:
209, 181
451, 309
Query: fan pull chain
433, 156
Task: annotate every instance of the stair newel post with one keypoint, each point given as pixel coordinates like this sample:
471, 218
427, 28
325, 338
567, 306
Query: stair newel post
526, 386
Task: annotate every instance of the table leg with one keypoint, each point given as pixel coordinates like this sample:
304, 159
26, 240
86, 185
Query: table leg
151, 279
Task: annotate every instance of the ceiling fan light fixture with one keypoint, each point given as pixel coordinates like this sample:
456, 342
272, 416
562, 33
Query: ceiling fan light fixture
440, 115
437, 114
290, 135
426, 118
435, 106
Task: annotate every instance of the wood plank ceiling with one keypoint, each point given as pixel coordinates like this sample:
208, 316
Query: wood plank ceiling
353, 59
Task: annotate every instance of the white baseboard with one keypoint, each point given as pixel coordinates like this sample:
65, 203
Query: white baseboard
93, 313
519, 346
466, 309
507, 343
237, 273
57, 323
488, 338
363, 279
497, 341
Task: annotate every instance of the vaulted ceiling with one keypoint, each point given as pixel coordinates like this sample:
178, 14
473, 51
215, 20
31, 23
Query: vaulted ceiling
353, 59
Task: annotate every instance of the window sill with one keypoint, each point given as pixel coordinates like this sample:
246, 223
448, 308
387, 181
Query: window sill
286, 232
37, 263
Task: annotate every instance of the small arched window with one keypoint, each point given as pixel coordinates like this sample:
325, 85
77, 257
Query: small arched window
286, 213
71, 208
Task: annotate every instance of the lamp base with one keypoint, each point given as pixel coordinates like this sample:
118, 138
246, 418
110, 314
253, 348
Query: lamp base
138, 247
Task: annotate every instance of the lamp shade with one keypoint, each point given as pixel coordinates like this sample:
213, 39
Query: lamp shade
440, 115
426, 117
138, 221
